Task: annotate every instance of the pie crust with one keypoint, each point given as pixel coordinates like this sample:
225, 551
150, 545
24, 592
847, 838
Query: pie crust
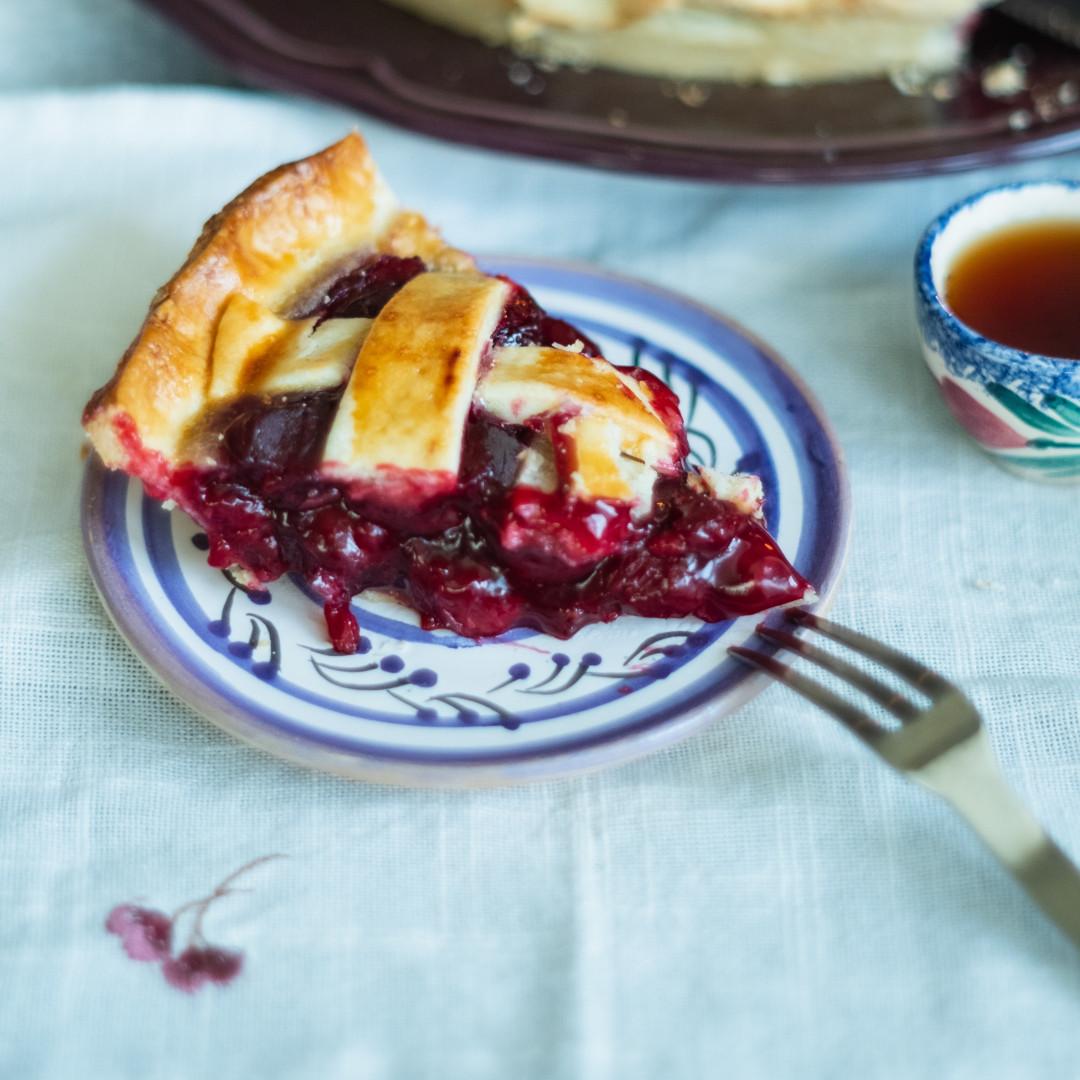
774, 41
330, 390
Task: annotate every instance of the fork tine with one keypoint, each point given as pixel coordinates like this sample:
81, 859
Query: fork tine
873, 688
854, 719
910, 670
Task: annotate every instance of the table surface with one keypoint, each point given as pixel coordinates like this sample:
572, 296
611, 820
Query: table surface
763, 900
53, 43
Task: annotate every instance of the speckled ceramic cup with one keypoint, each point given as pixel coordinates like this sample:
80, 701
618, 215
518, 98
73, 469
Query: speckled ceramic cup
1023, 408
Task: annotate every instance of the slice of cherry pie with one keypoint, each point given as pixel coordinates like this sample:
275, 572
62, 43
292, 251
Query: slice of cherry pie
330, 390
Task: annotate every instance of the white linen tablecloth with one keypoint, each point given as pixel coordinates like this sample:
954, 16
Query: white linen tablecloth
50, 43
764, 900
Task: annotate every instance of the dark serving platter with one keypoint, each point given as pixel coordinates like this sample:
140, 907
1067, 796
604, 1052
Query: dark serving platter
383, 61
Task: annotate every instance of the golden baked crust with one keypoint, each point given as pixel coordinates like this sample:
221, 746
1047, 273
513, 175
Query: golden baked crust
411, 388
609, 14
275, 244
773, 41
607, 417
243, 329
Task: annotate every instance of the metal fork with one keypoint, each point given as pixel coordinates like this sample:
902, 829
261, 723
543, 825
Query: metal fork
943, 747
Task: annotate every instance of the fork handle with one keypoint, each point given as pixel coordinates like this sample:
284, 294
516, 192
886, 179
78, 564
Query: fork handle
969, 777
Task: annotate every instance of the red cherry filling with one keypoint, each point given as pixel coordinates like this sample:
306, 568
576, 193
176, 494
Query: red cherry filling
665, 402
704, 557
364, 291
284, 434
548, 537
525, 322
512, 557
487, 556
453, 582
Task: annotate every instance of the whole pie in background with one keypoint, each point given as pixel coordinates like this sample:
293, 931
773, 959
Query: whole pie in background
328, 389
775, 41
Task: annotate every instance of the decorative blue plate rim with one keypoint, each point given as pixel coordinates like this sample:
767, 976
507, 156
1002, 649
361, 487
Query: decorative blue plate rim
131, 547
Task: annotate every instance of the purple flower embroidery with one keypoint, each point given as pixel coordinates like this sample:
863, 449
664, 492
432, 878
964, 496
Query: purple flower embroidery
144, 933
147, 935
196, 966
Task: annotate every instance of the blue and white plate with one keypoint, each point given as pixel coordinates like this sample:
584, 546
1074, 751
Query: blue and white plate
419, 707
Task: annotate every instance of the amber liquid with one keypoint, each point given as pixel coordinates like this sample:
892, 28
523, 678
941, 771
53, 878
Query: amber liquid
1021, 286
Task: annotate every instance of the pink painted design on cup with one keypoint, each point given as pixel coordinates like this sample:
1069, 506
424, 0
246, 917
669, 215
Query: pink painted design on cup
979, 422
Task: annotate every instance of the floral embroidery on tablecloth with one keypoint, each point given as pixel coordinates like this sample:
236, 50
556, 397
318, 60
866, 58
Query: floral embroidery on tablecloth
149, 936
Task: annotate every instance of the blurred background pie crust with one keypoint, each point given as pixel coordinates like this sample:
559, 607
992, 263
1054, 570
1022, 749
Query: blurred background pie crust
774, 41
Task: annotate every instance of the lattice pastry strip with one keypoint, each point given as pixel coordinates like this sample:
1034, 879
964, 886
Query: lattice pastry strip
412, 375
617, 441
411, 389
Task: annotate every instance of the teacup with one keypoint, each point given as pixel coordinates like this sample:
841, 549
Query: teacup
1021, 407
